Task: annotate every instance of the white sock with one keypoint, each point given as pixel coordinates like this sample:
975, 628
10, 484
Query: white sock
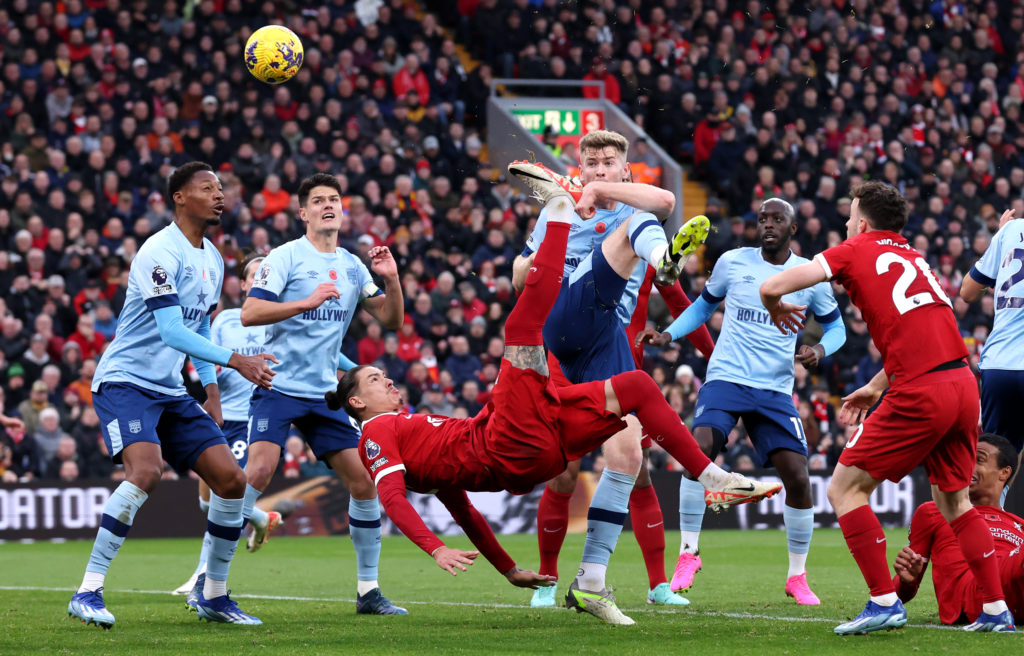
213, 589
92, 581
362, 587
560, 209
688, 542
591, 576
797, 564
994, 607
713, 477
886, 599
658, 254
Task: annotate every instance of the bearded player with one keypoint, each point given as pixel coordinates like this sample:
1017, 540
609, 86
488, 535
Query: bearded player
929, 415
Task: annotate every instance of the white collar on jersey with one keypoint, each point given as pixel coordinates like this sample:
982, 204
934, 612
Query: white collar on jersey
363, 425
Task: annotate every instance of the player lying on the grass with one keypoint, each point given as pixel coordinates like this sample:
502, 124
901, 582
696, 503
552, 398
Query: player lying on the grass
1002, 358
931, 540
616, 233
233, 416
929, 415
173, 285
524, 436
751, 377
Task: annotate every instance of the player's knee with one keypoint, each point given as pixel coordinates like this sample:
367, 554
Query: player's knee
362, 488
798, 486
622, 452
643, 478
146, 477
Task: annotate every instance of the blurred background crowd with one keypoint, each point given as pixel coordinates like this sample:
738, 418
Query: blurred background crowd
101, 99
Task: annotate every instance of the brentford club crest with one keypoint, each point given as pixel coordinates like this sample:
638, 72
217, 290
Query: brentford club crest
135, 426
262, 424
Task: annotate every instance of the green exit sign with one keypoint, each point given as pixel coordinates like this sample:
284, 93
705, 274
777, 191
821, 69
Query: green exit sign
561, 121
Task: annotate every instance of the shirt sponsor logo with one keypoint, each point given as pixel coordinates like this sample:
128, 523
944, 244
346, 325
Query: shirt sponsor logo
572, 261
753, 316
325, 314
372, 449
377, 464
135, 426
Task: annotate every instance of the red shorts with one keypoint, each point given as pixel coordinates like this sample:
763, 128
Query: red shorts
522, 434
969, 597
590, 415
931, 421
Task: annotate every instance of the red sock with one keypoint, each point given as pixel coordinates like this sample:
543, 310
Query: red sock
866, 540
637, 392
543, 283
649, 529
975, 542
552, 522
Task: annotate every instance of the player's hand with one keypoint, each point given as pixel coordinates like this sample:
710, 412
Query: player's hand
212, 408
323, 292
524, 578
452, 560
909, 565
1007, 216
382, 262
788, 317
810, 356
254, 368
653, 337
856, 405
586, 207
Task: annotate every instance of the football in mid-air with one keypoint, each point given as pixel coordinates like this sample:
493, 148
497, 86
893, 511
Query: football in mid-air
273, 54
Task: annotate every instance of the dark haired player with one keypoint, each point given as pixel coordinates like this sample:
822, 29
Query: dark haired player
931, 540
525, 436
751, 376
146, 415
929, 416
306, 293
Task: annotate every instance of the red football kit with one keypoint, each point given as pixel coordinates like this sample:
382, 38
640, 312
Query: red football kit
956, 589
930, 414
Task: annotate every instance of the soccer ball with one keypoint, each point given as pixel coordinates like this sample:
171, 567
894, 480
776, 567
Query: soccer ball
273, 54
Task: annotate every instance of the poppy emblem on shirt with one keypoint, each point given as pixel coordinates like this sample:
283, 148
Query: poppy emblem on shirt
372, 449
333, 274
600, 227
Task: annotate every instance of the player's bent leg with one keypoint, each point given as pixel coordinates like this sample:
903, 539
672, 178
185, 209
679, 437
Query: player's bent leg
365, 531
635, 391
143, 466
187, 587
975, 539
685, 242
798, 516
649, 530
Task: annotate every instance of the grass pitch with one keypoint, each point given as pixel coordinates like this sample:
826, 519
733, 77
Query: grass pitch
304, 590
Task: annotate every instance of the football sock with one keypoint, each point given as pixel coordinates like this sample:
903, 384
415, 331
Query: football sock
204, 505
204, 555
540, 291
591, 576
866, 540
647, 237
976, 544
552, 523
649, 529
691, 514
118, 514
258, 517
799, 527
223, 528
249, 500
605, 518
637, 392
887, 599
560, 209
364, 527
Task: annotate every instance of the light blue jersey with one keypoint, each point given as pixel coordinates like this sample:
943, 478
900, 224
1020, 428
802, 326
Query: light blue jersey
167, 271
750, 350
1002, 269
235, 390
584, 238
308, 344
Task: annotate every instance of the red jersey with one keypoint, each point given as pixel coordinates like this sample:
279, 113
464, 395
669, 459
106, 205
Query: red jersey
933, 538
909, 317
434, 451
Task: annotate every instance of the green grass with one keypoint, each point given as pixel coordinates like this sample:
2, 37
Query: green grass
738, 605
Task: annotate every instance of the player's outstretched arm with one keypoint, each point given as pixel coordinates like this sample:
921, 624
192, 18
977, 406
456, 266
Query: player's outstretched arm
686, 323
789, 317
678, 303
263, 311
644, 197
388, 308
477, 529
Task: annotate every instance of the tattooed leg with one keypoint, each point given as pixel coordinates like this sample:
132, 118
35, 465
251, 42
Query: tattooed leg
528, 357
